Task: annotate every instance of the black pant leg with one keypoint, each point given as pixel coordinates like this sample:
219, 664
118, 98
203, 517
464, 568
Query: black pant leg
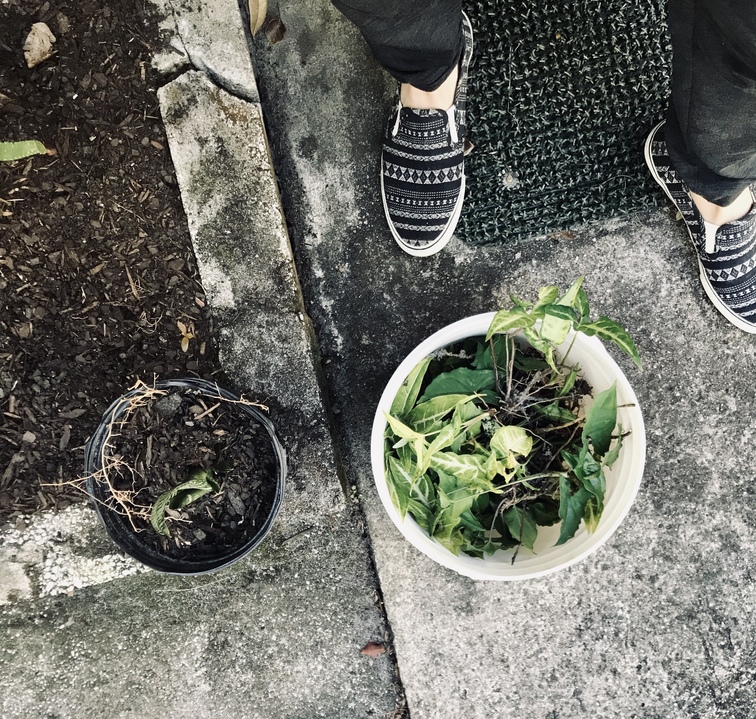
416, 41
711, 122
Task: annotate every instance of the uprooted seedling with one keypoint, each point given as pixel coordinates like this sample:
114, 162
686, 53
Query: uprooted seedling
187, 471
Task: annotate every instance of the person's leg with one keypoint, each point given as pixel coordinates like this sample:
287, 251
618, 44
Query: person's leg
711, 122
426, 45
704, 154
418, 42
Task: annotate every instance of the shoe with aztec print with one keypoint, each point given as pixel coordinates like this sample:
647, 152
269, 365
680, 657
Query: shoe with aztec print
726, 254
423, 168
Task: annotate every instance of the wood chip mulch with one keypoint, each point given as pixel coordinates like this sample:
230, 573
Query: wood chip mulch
98, 282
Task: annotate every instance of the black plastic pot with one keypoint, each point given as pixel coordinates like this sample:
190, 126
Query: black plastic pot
120, 530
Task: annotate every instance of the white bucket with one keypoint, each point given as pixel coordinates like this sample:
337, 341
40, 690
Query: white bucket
622, 480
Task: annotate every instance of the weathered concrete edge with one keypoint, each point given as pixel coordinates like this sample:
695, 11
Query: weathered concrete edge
251, 281
210, 37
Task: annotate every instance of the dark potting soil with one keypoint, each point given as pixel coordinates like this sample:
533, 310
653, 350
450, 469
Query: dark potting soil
165, 439
96, 264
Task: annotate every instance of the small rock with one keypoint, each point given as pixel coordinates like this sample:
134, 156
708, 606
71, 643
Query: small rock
169, 405
38, 44
29, 437
64, 24
236, 503
14, 584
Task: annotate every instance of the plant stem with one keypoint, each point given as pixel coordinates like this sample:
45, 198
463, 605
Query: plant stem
569, 349
495, 366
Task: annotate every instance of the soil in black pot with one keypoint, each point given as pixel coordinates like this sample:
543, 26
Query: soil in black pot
165, 439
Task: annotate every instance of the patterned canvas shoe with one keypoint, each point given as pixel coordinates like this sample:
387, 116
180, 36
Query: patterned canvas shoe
423, 168
726, 254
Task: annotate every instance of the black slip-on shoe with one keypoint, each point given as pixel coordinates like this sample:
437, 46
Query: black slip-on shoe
726, 253
423, 168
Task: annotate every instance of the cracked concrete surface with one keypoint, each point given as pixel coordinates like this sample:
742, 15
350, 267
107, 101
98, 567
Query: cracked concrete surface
657, 622
209, 37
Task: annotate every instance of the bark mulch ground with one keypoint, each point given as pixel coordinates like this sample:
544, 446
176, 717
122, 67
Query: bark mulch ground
98, 283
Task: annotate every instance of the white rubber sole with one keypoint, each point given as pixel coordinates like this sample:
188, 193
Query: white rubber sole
723, 309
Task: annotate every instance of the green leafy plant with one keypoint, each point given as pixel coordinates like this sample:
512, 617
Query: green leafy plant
10, 151
200, 482
490, 438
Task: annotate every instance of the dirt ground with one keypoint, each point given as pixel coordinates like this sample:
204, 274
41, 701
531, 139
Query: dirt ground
98, 283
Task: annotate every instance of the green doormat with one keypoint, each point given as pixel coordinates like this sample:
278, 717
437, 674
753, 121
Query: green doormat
562, 96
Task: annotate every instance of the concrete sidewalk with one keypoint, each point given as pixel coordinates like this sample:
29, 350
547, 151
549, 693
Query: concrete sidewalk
657, 624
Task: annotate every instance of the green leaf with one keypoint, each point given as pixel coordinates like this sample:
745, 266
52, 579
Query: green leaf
467, 468
582, 307
557, 323
507, 320
423, 515
470, 522
483, 359
199, 484
569, 383
594, 481
454, 497
427, 416
424, 491
448, 534
561, 312
402, 430
571, 509
467, 418
587, 470
571, 298
612, 331
494, 466
547, 295
555, 412
529, 364
501, 347
537, 342
406, 489
522, 304
442, 440
460, 381
593, 511
482, 503
399, 482
611, 456
510, 440
545, 511
601, 419
521, 526
410, 389
10, 151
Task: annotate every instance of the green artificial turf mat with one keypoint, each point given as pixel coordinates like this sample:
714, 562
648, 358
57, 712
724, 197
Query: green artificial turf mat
562, 96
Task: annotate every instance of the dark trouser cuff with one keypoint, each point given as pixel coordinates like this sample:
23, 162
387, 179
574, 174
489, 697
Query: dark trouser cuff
416, 41
711, 123
700, 179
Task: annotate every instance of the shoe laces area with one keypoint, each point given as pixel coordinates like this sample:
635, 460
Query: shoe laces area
451, 116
